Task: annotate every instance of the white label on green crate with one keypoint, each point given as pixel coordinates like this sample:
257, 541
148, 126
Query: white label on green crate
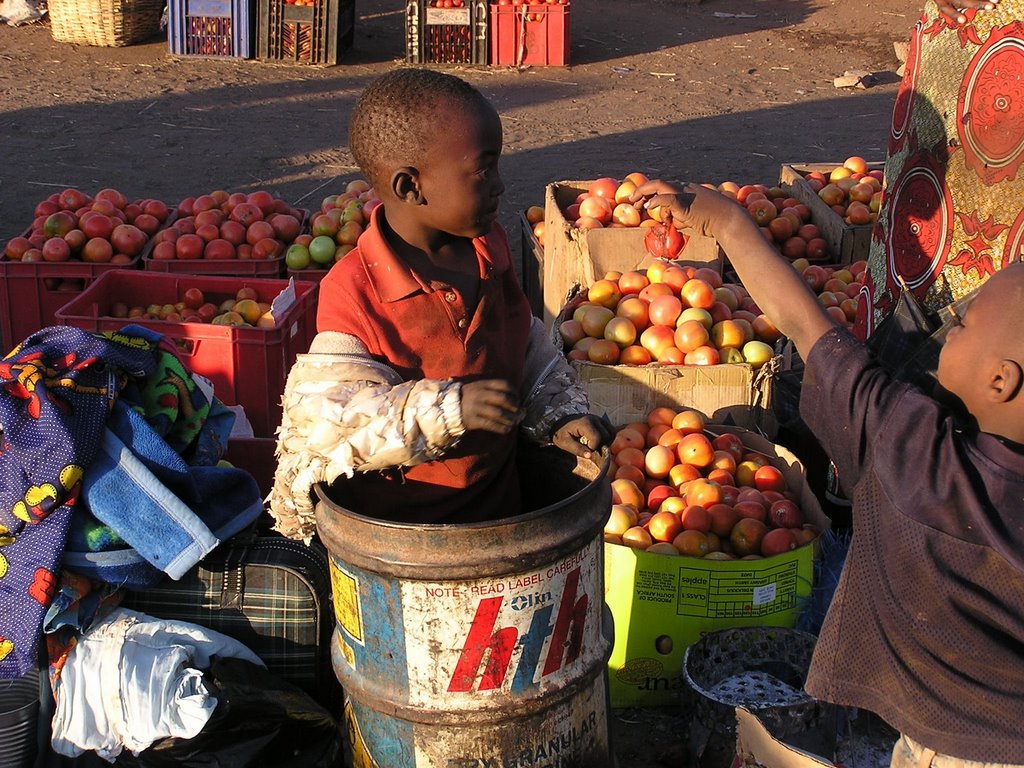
765, 594
715, 593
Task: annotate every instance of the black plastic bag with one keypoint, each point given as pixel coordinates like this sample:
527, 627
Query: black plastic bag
260, 720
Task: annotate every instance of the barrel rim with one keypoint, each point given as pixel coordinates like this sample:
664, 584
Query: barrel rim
501, 522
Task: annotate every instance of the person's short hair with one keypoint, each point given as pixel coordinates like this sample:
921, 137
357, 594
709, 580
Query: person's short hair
396, 117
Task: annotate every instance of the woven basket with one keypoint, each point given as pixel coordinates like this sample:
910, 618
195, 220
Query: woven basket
109, 23
762, 669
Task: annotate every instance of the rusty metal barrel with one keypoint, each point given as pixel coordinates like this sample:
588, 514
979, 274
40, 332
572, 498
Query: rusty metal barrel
483, 644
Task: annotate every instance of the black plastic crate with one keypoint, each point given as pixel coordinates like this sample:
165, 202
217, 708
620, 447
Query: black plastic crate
448, 35
211, 28
317, 32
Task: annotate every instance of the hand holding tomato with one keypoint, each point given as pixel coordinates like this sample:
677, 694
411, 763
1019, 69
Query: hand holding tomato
693, 208
581, 435
489, 404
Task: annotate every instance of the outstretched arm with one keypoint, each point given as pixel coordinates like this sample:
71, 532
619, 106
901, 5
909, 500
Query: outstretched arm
769, 278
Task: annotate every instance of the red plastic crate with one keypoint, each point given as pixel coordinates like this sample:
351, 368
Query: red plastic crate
219, 267
256, 456
314, 275
31, 292
248, 366
530, 35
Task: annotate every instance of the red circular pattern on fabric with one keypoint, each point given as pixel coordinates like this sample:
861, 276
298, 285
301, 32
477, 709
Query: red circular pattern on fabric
904, 107
864, 322
919, 234
991, 106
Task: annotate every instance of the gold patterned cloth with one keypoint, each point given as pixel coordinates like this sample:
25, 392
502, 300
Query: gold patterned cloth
953, 206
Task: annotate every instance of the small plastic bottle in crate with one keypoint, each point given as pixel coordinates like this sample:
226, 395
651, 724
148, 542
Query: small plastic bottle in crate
446, 31
305, 31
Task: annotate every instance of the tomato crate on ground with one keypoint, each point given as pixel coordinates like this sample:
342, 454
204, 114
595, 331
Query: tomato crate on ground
210, 28
446, 35
846, 242
306, 32
248, 366
31, 292
530, 35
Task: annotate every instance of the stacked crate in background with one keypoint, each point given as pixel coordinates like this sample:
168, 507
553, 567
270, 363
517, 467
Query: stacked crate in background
446, 32
530, 34
315, 32
210, 28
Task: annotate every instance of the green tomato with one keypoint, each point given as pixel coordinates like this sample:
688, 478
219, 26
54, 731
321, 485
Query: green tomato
321, 249
297, 257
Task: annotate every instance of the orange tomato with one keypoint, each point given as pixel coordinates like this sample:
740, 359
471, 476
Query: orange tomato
696, 449
661, 415
692, 543
703, 492
627, 492
695, 518
664, 526
659, 460
688, 421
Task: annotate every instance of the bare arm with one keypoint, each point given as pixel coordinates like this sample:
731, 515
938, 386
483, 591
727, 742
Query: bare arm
769, 278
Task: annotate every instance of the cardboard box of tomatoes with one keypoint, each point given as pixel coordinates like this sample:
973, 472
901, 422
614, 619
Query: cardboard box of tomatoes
733, 393
846, 242
661, 604
577, 257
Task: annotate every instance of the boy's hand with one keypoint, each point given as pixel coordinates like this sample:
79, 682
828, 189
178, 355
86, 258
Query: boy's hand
582, 435
489, 404
694, 208
952, 10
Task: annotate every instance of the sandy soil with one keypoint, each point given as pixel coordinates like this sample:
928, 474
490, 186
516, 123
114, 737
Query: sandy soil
724, 89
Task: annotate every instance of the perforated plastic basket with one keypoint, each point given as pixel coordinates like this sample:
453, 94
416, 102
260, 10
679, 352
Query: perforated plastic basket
762, 669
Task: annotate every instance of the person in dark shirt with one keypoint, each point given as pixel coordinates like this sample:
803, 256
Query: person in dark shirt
926, 627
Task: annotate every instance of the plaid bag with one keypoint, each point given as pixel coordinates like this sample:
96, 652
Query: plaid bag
268, 592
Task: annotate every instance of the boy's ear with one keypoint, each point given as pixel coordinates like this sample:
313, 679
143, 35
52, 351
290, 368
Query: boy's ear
405, 185
1006, 381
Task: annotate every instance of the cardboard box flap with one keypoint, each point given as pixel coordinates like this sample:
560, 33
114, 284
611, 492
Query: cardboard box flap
755, 746
723, 393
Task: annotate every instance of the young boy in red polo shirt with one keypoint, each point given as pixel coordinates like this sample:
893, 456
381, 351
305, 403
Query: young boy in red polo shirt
428, 361
926, 627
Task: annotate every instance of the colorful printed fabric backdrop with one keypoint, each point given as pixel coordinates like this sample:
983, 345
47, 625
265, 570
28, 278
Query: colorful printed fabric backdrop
953, 212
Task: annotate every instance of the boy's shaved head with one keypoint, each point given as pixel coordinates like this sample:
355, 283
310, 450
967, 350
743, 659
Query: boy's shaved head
1004, 293
398, 116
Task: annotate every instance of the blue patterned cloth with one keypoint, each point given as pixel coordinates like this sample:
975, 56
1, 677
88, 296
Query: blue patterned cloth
56, 391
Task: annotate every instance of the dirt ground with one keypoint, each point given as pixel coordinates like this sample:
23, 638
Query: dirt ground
723, 89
